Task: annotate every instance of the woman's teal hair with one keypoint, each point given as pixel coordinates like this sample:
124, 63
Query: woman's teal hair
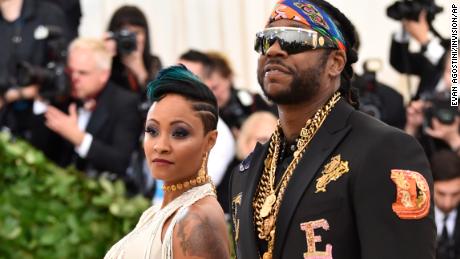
179, 80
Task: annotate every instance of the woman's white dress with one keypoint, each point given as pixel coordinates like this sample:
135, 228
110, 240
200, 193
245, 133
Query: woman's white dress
145, 240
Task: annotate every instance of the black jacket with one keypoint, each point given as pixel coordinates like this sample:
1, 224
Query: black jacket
451, 249
416, 64
17, 44
357, 206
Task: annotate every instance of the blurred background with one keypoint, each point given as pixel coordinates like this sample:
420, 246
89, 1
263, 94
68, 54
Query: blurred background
230, 26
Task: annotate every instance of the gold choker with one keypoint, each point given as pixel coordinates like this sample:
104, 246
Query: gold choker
190, 183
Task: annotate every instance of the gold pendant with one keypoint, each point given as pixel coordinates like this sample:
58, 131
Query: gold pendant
268, 225
267, 255
267, 206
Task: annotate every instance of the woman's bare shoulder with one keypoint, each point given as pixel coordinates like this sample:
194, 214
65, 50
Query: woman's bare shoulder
201, 232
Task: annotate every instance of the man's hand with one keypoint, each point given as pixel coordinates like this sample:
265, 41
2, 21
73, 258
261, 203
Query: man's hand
418, 29
65, 125
447, 133
414, 117
21, 93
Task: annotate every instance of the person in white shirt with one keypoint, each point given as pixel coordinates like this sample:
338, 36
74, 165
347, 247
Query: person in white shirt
428, 63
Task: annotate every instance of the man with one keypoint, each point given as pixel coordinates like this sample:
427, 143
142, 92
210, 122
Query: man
434, 122
446, 173
428, 62
102, 133
344, 186
197, 62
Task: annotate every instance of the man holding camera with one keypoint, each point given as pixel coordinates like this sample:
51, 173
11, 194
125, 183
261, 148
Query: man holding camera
431, 128
416, 17
19, 20
100, 133
432, 120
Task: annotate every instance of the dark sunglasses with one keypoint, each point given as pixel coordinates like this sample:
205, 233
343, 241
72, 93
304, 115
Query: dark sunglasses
292, 40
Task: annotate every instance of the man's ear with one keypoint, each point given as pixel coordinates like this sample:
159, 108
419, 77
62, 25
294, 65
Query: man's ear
211, 138
336, 62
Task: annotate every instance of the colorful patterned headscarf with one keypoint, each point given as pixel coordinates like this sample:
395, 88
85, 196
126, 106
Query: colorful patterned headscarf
308, 13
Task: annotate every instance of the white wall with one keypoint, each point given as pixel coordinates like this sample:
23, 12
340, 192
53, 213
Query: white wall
229, 26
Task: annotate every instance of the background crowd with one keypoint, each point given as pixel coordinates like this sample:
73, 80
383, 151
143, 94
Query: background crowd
82, 101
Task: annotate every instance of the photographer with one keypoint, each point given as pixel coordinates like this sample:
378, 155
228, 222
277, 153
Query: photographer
433, 121
19, 20
129, 41
99, 130
416, 17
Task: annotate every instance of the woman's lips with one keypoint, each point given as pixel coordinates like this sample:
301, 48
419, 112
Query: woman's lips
160, 161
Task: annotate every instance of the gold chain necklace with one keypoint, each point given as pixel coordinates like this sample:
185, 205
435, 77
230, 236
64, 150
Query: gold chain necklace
201, 179
266, 202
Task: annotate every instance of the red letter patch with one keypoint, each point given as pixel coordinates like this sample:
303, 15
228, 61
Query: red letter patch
412, 194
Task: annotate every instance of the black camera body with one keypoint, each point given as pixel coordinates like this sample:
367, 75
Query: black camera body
439, 107
126, 41
52, 79
367, 84
410, 9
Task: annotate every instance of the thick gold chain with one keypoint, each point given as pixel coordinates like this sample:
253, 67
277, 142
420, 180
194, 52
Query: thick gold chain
265, 222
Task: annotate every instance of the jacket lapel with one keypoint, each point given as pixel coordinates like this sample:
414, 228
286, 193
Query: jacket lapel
101, 113
321, 146
247, 236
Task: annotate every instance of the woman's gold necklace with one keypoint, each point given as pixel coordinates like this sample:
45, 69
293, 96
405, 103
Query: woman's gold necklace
267, 202
202, 178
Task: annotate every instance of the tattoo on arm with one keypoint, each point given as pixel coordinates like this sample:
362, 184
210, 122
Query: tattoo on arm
198, 237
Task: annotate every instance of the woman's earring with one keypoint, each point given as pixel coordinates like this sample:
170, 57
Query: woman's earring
203, 170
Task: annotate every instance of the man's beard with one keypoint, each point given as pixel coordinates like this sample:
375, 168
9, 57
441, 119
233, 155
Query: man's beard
303, 88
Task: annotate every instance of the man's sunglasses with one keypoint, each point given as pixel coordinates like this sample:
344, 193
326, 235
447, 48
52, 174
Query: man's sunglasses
292, 40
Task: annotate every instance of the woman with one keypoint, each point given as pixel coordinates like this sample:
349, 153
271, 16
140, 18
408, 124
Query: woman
133, 69
180, 132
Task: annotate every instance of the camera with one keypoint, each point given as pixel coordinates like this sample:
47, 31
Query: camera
369, 101
126, 41
410, 9
52, 79
439, 107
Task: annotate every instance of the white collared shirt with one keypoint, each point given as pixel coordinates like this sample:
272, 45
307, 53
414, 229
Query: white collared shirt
450, 223
222, 153
83, 119
434, 49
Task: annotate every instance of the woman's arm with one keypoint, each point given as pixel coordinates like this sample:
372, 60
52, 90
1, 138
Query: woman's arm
202, 232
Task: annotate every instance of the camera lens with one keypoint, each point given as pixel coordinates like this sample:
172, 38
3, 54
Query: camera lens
445, 116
